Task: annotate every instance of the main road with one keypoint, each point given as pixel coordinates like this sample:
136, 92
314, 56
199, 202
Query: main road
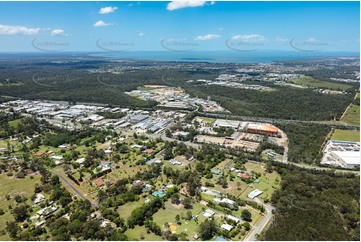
284, 160
259, 227
276, 120
76, 190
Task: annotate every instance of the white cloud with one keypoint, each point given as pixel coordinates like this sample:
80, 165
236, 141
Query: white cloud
249, 37
57, 32
178, 4
213, 2
18, 30
311, 40
207, 37
101, 23
140, 33
221, 29
107, 10
280, 39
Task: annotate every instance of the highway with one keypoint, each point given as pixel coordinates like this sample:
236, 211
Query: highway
275, 120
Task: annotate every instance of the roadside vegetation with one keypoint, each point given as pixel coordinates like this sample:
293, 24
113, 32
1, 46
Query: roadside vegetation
315, 206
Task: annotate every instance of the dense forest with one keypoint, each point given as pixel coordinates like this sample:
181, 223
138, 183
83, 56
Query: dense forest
315, 207
305, 141
285, 103
77, 81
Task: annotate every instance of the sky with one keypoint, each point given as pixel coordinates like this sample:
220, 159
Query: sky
179, 26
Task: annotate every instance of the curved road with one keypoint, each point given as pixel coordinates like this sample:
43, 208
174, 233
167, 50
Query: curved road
257, 229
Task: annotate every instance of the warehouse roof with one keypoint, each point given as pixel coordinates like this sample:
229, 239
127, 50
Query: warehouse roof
226, 123
350, 157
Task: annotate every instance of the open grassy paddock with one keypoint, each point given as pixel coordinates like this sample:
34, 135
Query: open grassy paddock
346, 135
352, 115
312, 82
126, 209
13, 186
169, 213
140, 233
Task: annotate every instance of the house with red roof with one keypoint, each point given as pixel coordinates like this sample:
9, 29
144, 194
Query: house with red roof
149, 151
243, 175
98, 182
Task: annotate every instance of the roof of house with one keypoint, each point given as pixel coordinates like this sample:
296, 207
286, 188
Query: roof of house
38, 198
242, 175
80, 160
137, 183
233, 218
38, 154
149, 151
208, 213
227, 227
98, 182
216, 171
254, 193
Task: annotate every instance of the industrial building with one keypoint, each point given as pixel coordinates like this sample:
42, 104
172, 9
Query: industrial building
262, 128
138, 118
223, 123
344, 154
346, 159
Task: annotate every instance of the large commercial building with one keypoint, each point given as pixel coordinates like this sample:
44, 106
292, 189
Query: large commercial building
344, 154
347, 159
223, 123
262, 128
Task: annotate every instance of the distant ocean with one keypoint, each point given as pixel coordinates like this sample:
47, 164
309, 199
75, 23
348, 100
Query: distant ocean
223, 56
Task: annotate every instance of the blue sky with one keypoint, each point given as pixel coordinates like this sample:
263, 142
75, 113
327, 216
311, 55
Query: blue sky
186, 25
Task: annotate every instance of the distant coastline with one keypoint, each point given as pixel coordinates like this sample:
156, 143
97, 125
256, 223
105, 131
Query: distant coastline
224, 56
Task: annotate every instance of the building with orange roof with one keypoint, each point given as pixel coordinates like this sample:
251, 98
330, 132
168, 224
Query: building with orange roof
262, 128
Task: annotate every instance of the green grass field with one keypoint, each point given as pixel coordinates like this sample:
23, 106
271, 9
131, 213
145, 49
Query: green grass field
347, 135
311, 82
12, 186
352, 115
138, 232
209, 121
142, 88
14, 123
169, 213
126, 209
